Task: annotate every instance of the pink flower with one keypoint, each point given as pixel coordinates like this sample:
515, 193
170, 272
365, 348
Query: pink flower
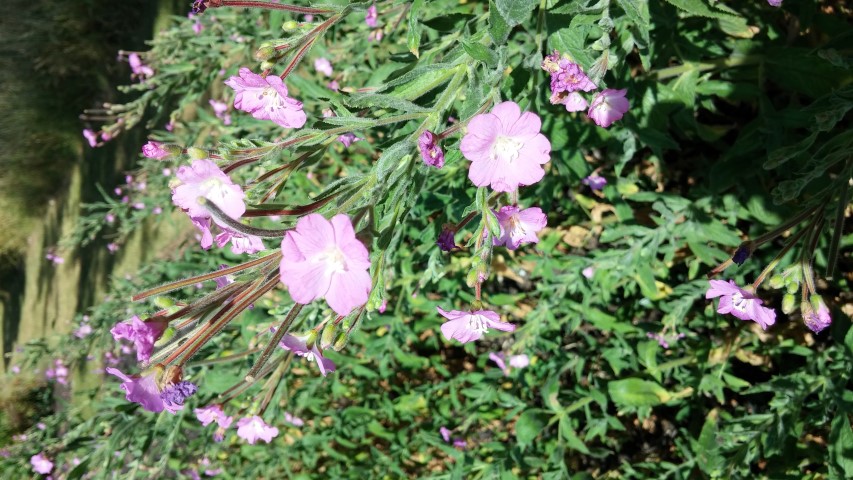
324, 66
299, 346
775, 3
220, 109
112, 247
519, 226
213, 413
334, 86
293, 420
203, 179
470, 326
375, 35
816, 316
91, 137
154, 150
594, 182
575, 102
41, 464
608, 106
505, 148
240, 243
588, 272
83, 332
266, 99
58, 372
371, 16
445, 433
144, 391
431, 153
142, 334
347, 139
137, 67
740, 303
252, 428
324, 259
567, 78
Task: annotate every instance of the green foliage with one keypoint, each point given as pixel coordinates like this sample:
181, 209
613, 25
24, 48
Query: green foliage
701, 162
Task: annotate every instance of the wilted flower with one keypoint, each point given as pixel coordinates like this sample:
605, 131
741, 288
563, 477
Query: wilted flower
519, 226
608, 106
240, 243
41, 464
266, 99
567, 78
324, 259
371, 16
816, 315
347, 139
144, 391
446, 241
740, 303
176, 394
431, 153
253, 428
142, 334
505, 148
470, 326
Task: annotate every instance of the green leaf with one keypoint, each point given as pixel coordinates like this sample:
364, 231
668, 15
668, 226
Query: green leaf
699, 8
637, 12
498, 28
515, 12
528, 426
413, 37
571, 438
478, 51
841, 445
633, 392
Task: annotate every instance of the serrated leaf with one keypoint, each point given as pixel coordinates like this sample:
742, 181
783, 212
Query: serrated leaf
515, 12
498, 28
528, 426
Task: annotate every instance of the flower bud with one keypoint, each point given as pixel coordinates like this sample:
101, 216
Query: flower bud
264, 53
197, 153
310, 339
493, 224
289, 25
789, 303
776, 281
340, 342
267, 65
328, 335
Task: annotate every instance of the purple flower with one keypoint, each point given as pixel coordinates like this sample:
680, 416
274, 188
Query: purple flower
371, 16
775, 3
253, 428
324, 66
83, 331
459, 443
334, 86
505, 148
347, 139
41, 464
519, 226
445, 433
740, 303
567, 77
112, 247
293, 420
299, 346
240, 243
213, 413
144, 391
154, 150
431, 153
375, 35
142, 334
91, 137
608, 106
176, 394
816, 316
203, 179
470, 326
138, 68
515, 361
446, 241
594, 181
266, 99
224, 280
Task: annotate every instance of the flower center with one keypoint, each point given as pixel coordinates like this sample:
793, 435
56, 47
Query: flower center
739, 303
505, 148
334, 259
477, 323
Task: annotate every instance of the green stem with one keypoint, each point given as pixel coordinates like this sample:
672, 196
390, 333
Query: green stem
271, 346
735, 60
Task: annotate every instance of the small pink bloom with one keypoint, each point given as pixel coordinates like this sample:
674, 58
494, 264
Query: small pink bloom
266, 99
519, 226
41, 464
383, 306
347, 139
575, 102
293, 420
299, 346
445, 433
470, 326
324, 259
240, 243
588, 272
371, 16
137, 67
219, 108
154, 150
112, 247
775, 3
334, 85
83, 332
505, 148
91, 137
608, 106
816, 316
203, 179
213, 413
519, 361
142, 334
324, 66
308, 18
253, 428
144, 391
740, 303
109, 218
375, 35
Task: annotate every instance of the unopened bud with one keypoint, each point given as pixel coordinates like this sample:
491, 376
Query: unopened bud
776, 281
328, 335
493, 224
792, 286
340, 342
289, 25
310, 339
264, 53
473, 278
267, 65
789, 303
197, 153
163, 302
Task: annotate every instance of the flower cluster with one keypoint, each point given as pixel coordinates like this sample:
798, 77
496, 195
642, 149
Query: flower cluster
265, 97
568, 80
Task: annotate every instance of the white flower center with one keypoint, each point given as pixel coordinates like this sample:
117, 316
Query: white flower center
505, 148
478, 323
739, 303
334, 260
